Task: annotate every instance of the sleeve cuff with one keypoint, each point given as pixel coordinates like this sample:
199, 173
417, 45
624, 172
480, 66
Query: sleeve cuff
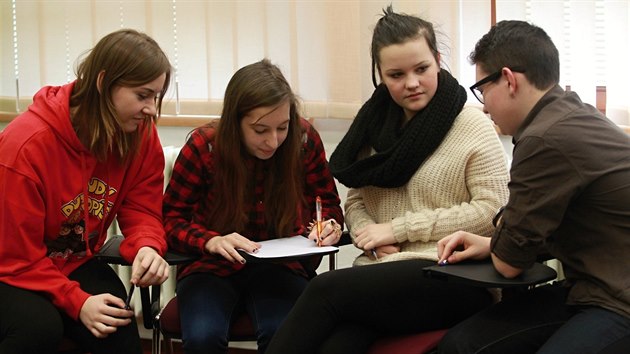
399, 229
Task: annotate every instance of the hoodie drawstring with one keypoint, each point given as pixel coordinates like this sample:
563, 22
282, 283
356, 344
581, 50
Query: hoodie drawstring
86, 214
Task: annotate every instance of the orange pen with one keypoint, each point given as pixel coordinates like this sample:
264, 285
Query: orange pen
318, 213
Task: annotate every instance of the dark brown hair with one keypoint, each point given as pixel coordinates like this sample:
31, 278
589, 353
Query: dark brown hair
260, 84
395, 28
519, 44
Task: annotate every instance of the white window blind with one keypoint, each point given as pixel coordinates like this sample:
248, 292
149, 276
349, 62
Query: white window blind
322, 46
593, 38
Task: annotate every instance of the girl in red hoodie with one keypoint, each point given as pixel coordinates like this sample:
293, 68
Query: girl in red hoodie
82, 154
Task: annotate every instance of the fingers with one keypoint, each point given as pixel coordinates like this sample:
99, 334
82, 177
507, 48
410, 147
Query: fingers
447, 246
385, 250
331, 233
148, 268
360, 238
375, 235
312, 235
231, 254
365, 242
461, 246
156, 273
102, 314
101, 330
227, 246
108, 323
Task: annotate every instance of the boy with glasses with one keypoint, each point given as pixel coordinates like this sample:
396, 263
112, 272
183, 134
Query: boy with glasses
569, 197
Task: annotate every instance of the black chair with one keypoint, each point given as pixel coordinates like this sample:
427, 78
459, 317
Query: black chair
150, 298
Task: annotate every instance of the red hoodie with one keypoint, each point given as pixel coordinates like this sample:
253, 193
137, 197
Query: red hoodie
45, 174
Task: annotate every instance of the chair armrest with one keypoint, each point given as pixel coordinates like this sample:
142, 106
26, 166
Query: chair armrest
110, 253
483, 274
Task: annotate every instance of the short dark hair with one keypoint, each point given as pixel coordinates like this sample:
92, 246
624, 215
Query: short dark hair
397, 28
519, 44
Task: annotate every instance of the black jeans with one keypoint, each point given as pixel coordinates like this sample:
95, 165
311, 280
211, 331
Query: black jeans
30, 323
539, 321
343, 311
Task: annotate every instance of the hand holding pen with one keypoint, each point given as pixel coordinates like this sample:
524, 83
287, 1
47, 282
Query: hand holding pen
148, 268
376, 236
323, 232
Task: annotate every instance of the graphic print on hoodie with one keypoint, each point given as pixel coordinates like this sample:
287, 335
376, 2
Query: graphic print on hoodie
71, 241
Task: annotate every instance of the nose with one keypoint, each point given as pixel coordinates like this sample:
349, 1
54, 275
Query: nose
272, 140
150, 108
412, 82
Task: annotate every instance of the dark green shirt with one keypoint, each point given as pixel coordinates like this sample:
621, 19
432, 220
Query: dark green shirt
570, 196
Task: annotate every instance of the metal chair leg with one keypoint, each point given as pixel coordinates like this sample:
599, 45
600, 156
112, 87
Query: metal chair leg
155, 349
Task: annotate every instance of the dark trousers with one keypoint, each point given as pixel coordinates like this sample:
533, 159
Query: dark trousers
30, 323
208, 303
539, 321
344, 311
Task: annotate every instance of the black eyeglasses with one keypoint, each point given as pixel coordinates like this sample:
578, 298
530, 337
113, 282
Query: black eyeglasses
490, 78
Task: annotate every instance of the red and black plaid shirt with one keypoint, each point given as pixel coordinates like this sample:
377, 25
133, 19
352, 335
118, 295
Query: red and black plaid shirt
188, 196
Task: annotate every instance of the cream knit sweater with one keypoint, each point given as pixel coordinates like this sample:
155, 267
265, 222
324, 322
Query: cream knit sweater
459, 187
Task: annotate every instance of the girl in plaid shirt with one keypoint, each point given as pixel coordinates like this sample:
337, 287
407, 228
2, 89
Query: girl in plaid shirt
251, 176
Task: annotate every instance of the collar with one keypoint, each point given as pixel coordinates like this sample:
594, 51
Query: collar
551, 95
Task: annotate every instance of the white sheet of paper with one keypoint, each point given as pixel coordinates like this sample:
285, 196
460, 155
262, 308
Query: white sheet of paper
290, 246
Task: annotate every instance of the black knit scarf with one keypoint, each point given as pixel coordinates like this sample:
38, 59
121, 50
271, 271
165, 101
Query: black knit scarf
399, 149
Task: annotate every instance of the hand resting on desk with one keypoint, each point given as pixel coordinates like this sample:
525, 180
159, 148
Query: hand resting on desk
474, 247
227, 246
462, 245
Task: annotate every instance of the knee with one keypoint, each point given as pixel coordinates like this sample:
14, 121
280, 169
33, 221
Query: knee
205, 339
450, 343
49, 324
267, 329
37, 336
321, 284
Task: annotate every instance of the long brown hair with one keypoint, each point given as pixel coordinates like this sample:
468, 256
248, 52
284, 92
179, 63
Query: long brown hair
128, 58
260, 84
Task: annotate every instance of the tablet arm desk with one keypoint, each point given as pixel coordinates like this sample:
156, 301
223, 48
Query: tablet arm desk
483, 274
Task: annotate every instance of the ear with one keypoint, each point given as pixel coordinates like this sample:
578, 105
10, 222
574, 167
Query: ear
510, 79
99, 81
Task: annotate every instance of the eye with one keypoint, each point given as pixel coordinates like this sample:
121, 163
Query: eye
260, 131
395, 75
422, 69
